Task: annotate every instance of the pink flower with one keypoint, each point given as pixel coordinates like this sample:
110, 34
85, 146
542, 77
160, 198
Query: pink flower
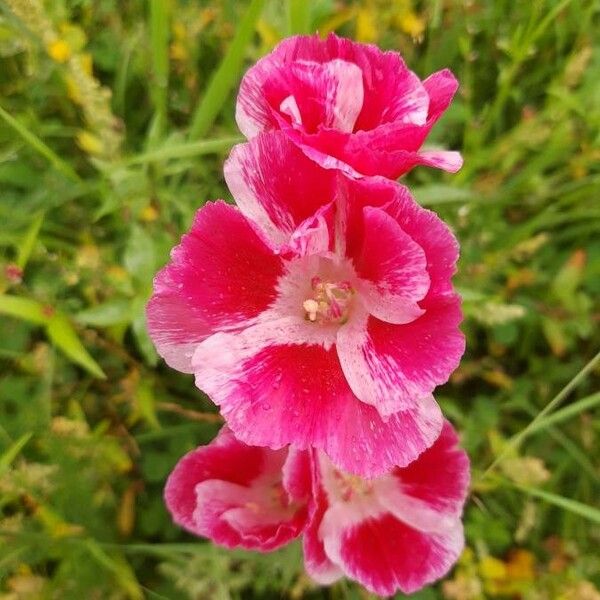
400, 531
321, 314
241, 496
348, 105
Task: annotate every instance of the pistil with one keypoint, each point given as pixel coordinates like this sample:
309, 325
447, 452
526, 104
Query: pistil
330, 302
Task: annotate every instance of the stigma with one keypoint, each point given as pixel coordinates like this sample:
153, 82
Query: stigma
329, 303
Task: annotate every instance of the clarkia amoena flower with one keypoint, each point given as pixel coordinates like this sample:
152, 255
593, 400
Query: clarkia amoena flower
319, 314
399, 531
239, 495
348, 105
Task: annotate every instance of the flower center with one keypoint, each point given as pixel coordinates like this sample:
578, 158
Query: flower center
352, 485
329, 302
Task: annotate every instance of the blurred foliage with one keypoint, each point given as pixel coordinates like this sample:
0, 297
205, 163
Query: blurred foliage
115, 118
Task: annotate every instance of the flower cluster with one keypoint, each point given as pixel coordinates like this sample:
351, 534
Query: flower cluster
319, 315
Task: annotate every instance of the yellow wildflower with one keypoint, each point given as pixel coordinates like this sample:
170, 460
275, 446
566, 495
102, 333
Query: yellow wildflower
178, 52
60, 51
89, 143
86, 62
179, 30
410, 23
492, 568
366, 27
149, 214
507, 578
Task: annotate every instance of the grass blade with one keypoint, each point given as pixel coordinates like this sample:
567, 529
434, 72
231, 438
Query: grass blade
226, 76
578, 508
26, 246
119, 568
519, 437
39, 146
159, 38
184, 150
566, 413
11, 453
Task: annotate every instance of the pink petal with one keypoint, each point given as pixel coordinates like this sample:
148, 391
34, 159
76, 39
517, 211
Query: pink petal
393, 268
234, 516
317, 563
441, 159
432, 234
223, 460
220, 277
316, 95
276, 185
423, 226
274, 395
385, 555
267, 84
391, 150
392, 91
440, 476
231, 493
393, 367
441, 87
297, 474
315, 235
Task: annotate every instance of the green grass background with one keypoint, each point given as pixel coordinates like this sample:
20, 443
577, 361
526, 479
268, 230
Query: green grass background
115, 119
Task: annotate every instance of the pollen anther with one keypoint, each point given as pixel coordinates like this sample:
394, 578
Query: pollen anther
330, 302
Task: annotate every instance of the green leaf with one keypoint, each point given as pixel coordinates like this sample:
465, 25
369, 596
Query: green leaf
63, 336
58, 328
147, 403
139, 257
25, 309
226, 76
109, 313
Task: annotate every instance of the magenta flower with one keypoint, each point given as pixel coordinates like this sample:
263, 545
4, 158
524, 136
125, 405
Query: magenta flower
348, 105
321, 314
241, 496
400, 531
